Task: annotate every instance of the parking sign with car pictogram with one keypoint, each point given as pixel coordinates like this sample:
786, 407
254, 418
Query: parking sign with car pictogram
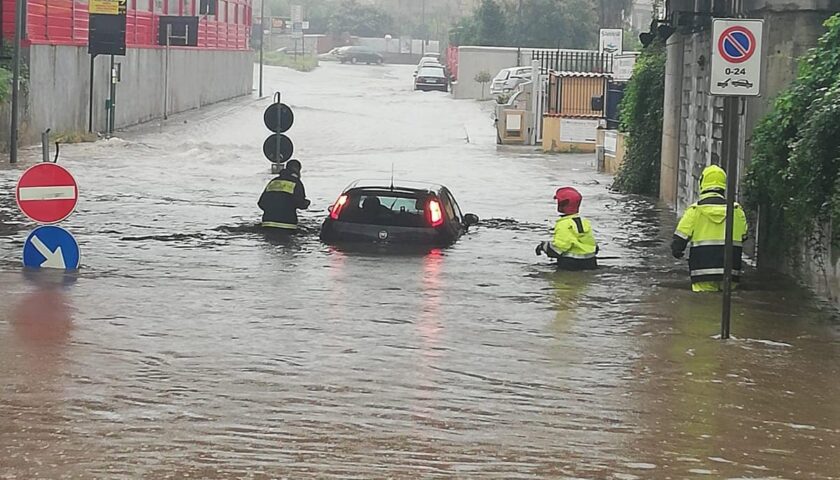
736, 57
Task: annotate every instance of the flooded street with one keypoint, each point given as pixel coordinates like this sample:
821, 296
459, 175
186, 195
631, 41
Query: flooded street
191, 346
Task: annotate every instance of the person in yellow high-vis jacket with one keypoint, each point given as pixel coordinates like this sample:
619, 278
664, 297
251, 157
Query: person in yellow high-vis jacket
703, 229
573, 244
282, 198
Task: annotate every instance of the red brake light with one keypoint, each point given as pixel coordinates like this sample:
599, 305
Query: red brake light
435, 216
337, 207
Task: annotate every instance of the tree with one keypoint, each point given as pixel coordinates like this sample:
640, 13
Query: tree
558, 24
531, 24
794, 175
641, 120
362, 20
483, 77
491, 25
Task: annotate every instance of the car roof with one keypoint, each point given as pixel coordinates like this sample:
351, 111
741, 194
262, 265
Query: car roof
398, 186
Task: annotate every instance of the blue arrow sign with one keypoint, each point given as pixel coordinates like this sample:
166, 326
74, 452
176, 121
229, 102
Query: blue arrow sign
51, 247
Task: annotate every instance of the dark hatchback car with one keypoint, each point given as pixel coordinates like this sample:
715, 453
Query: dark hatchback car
408, 214
358, 54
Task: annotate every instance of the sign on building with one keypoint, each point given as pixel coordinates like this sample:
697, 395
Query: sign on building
610, 142
578, 131
611, 39
297, 14
106, 27
736, 57
623, 66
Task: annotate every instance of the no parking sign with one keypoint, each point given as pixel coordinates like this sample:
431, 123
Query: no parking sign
736, 57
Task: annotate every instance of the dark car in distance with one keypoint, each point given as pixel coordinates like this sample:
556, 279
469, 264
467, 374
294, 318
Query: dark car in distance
359, 54
405, 214
431, 77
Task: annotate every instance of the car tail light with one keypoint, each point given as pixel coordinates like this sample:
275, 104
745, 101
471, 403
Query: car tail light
337, 207
435, 215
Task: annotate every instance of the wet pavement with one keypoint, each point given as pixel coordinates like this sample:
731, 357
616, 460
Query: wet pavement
190, 346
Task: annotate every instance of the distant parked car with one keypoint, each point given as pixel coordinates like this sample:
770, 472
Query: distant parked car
331, 56
426, 61
431, 77
508, 79
359, 54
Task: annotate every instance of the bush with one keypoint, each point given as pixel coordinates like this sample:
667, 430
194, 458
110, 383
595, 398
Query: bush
795, 164
641, 120
302, 63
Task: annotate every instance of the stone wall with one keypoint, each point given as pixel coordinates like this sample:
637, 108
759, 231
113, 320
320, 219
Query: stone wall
692, 126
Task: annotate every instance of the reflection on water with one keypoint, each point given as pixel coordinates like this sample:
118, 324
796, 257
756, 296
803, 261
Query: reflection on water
190, 345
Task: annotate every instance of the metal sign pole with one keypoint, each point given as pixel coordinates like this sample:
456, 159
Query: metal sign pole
166, 73
13, 140
279, 123
730, 146
262, 43
90, 99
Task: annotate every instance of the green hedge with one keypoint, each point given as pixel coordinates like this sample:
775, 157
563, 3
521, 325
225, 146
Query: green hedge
641, 120
794, 175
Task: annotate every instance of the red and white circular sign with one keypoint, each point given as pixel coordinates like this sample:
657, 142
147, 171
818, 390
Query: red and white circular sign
47, 193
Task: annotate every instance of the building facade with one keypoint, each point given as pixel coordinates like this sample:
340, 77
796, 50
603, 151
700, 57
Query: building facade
693, 118
155, 80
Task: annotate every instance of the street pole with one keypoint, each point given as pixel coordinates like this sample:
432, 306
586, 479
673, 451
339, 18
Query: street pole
262, 43
13, 140
113, 94
425, 35
90, 99
730, 150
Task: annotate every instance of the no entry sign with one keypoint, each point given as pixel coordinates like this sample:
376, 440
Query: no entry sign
47, 193
736, 57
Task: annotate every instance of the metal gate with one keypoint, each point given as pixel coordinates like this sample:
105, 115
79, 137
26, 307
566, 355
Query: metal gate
615, 92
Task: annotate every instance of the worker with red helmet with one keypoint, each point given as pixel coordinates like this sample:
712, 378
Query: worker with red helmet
573, 244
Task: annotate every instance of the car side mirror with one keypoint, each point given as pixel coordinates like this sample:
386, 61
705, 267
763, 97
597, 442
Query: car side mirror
470, 219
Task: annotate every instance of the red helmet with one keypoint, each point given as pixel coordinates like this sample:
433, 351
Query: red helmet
568, 200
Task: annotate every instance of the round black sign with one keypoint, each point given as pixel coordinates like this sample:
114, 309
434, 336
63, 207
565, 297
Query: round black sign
270, 148
287, 118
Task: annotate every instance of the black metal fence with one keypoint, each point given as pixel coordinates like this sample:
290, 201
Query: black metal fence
566, 61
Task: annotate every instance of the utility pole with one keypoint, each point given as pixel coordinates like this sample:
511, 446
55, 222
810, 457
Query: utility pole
262, 43
13, 140
425, 32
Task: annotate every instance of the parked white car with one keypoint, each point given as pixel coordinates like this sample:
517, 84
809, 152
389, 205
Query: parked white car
508, 79
427, 61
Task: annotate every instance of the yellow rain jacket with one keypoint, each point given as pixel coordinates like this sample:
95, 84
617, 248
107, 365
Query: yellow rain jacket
703, 229
573, 244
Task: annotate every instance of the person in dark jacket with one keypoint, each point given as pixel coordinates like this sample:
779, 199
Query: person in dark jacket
282, 198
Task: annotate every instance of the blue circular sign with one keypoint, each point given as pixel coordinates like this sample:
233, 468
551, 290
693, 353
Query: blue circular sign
51, 247
736, 44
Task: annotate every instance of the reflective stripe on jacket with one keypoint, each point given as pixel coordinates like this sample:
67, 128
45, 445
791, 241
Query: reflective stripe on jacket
703, 229
573, 243
282, 197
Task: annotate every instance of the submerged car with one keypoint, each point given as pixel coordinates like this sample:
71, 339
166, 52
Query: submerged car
409, 213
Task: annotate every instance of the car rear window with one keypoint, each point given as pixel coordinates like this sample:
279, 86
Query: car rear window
386, 208
503, 75
431, 72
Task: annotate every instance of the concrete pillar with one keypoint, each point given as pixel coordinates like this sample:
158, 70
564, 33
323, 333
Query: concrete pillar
671, 120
